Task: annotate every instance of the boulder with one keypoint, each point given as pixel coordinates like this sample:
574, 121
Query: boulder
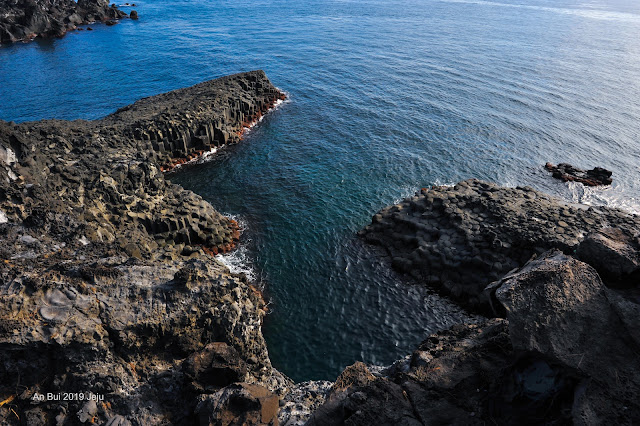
239, 404
133, 15
614, 253
559, 308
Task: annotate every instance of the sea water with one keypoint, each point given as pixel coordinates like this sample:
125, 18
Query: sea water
385, 97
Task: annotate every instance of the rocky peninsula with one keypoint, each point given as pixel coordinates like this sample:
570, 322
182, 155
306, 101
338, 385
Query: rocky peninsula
24, 20
109, 290
107, 284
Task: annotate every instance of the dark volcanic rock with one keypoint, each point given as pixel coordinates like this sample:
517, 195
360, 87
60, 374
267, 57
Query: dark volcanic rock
459, 239
216, 366
568, 173
105, 286
566, 355
133, 15
239, 405
22, 20
448, 380
615, 255
558, 306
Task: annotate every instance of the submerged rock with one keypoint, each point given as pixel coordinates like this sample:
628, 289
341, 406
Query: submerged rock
567, 173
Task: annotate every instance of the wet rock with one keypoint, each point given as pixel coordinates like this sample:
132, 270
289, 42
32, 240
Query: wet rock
133, 15
567, 173
239, 404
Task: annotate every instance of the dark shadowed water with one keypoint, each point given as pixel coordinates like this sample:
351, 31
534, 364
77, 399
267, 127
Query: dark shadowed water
385, 97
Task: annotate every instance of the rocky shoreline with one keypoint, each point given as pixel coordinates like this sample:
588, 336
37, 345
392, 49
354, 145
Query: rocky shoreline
107, 286
25, 20
560, 283
109, 290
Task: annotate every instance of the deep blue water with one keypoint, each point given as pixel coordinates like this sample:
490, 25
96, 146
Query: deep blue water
385, 97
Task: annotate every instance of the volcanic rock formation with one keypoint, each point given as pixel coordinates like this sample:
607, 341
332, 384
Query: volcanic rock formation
566, 348
105, 284
23, 20
459, 239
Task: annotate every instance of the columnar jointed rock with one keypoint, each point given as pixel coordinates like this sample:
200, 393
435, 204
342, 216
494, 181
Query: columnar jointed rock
185, 123
459, 239
105, 284
567, 173
22, 20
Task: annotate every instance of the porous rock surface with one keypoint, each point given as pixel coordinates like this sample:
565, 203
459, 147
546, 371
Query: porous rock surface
459, 239
23, 20
105, 281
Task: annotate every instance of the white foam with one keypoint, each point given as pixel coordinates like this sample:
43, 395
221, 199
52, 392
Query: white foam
238, 261
608, 196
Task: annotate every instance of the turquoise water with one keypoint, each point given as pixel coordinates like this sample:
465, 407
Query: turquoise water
385, 97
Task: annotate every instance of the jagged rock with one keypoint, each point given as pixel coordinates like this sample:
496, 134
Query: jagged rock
567, 173
459, 239
105, 285
567, 354
448, 380
239, 405
22, 20
557, 306
301, 400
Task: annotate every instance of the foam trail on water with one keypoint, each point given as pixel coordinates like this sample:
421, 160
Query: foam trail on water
603, 196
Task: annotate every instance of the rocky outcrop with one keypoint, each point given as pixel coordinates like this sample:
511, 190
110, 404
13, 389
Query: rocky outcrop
459, 239
106, 285
567, 173
23, 20
187, 123
557, 306
567, 354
